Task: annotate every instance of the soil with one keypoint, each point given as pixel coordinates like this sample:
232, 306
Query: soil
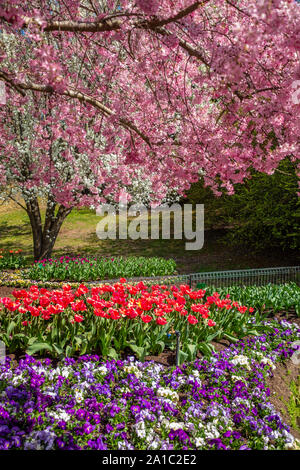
6, 291
288, 316
166, 358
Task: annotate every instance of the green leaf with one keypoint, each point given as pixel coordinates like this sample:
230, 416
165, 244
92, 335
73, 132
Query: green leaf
83, 349
192, 351
57, 349
32, 340
35, 347
5, 338
19, 336
212, 336
230, 337
113, 353
258, 330
206, 349
182, 356
78, 340
161, 347
69, 351
200, 285
139, 351
11, 326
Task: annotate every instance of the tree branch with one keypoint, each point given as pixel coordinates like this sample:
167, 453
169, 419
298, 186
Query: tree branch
124, 122
181, 14
8, 80
83, 27
108, 24
15, 201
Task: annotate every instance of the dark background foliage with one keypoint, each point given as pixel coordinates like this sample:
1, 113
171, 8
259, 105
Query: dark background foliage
263, 213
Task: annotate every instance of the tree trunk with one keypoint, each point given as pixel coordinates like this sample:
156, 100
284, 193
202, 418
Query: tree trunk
44, 237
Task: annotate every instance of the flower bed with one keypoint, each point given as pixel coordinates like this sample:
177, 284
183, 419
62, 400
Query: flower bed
11, 259
89, 269
271, 297
108, 319
17, 278
217, 403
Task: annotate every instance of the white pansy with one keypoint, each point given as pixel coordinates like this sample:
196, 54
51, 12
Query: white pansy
199, 425
18, 380
290, 440
175, 426
59, 415
211, 431
196, 373
265, 439
140, 429
268, 361
239, 359
65, 372
102, 370
237, 377
78, 395
132, 369
275, 435
199, 442
154, 444
167, 392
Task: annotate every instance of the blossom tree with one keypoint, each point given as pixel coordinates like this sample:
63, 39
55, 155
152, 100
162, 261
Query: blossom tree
105, 88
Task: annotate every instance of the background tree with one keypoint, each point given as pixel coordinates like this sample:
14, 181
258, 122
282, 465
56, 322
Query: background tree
263, 213
43, 163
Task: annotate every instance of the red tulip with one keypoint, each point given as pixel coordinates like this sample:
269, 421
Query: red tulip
146, 318
161, 321
192, 320
78, 318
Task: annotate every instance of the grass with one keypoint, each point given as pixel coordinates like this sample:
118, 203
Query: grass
78, 237
293, 404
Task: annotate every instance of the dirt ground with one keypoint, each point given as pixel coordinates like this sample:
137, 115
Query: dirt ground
6, 291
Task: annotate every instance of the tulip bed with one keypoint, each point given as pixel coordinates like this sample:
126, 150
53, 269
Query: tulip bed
109, 320
90, 269
12, 259
266, 298
221, 402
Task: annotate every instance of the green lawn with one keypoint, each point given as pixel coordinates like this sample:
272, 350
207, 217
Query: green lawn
78, 236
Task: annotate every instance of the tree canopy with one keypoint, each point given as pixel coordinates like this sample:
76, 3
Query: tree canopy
101, 93
172, 87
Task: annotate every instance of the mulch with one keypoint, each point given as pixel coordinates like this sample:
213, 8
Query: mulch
6, 291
